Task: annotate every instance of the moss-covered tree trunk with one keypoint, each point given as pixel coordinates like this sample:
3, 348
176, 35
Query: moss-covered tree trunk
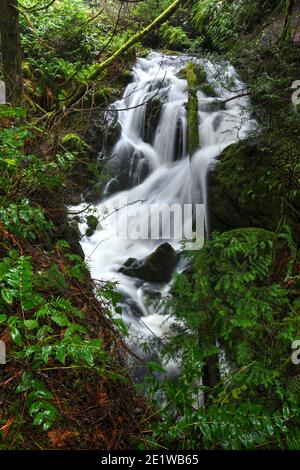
162, 18
286, 36
11, 50
192, 109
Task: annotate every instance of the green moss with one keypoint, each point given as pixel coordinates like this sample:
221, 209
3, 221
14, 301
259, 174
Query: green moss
251, 182
92, 223
192, 108
74, 143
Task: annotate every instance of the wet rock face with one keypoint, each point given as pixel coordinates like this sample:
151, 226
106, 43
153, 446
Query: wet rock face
128, 167
113, 131
153, 112
248, 184
157, 267
229, 207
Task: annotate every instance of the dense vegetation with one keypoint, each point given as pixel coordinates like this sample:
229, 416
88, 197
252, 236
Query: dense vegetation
65, 382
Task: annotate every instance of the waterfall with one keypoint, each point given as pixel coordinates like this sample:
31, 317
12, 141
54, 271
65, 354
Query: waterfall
159, 171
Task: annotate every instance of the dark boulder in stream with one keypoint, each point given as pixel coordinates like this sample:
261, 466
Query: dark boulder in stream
157, 267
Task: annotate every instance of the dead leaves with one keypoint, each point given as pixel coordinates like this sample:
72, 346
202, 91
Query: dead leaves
59, 438
6, 427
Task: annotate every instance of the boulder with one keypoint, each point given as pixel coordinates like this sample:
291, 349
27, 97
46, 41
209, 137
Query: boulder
92, 223
251, 180
128, 168
158, 267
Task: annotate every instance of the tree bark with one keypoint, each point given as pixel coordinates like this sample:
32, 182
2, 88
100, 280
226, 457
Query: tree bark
11, 51
286, 36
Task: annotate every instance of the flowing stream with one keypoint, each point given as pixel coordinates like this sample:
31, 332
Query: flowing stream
151, 166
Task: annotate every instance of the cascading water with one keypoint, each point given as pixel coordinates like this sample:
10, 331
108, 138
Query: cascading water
155, 168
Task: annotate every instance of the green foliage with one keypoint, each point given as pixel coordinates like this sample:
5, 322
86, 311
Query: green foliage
230, 309
23, 220
50, 280
49, 332
18, 164
174, 36
65, 28
45, 330
221, 22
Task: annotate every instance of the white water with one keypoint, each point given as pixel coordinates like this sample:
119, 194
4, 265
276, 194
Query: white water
171, 176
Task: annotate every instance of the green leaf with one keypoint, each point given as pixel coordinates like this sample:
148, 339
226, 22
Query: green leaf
60, 320
61, 352
31, 324
15, 335
8, 295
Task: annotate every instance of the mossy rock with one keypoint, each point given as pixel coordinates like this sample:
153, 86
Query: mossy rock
192, 108
157, 267
153, 112
74, 143
251, 180
69, 234
125, 77
92, 223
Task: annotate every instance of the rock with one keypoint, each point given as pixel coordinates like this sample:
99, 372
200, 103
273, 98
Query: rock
153, 112
70, 234
92, 223
250, 182
157, 267
129, 167
94, 193
113, 132
74, 143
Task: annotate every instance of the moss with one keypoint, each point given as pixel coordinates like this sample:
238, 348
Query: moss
251, 182
92, 223
74, 143
192, 108
153, 111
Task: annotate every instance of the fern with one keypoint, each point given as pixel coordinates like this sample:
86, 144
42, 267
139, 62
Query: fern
229, 307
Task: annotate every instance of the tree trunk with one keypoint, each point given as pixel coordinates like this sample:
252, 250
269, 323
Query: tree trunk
286, 36
11, 51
